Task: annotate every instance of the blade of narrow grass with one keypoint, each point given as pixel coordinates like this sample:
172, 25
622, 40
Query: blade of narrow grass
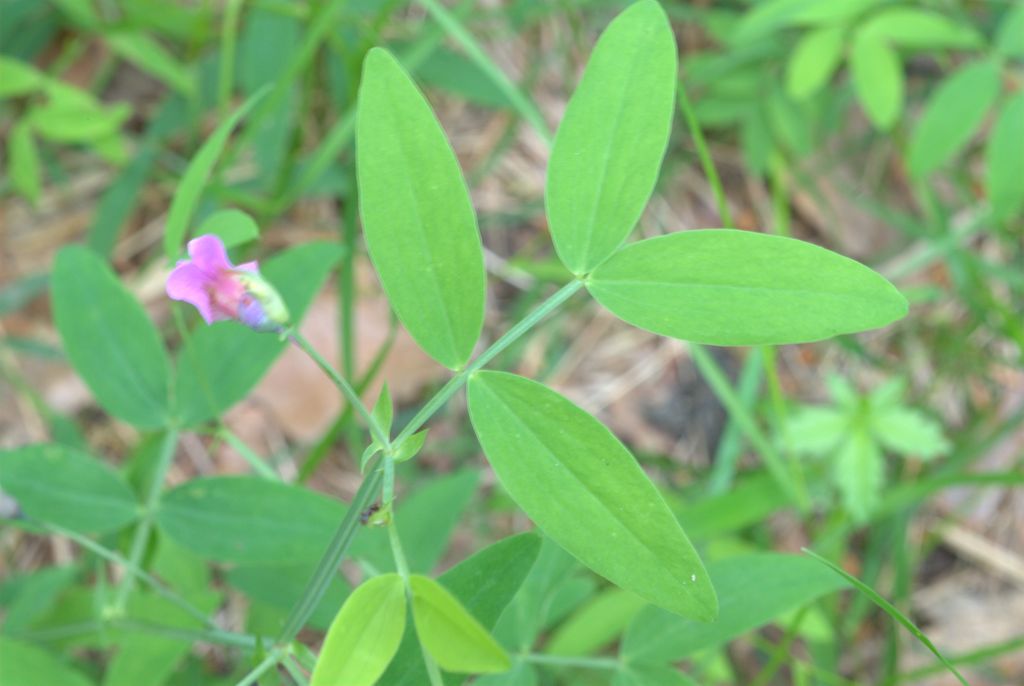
891, 610
731, 444
526, 108
727, 395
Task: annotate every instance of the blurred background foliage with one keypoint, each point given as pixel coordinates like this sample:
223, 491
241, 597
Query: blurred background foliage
889, 131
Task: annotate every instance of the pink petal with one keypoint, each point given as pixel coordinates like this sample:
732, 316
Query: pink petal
253, 267
191, 284
208, 253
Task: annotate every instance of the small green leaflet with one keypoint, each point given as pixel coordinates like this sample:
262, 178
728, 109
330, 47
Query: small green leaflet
110, 339
609, 146
364, 636
452, 636
67, 487
586, 492
418, 221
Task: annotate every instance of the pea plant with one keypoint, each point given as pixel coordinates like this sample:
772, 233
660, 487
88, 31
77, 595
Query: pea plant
589, 499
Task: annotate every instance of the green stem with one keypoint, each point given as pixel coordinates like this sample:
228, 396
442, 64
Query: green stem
346, 389
510, 336
145, 525
255, 461
229, 42
706, 161
268, 663
583, 662
526, 108
332, 557
293, 670
402, 567
111, 556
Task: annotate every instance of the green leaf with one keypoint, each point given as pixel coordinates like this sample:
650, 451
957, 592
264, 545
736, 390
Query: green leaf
65, 120
60, 485
877, 75
411, 446
727, 287
768, 16
234, 227
909, 432
418, 220
608, 150
19, 78
1004, 159
197, 175
815, 430
26, 665
220, 364
452, 636
952, 115
891, 610
30, 596
583, 489
23, 162
485, 584
813, 61
595, 624
364, 636
917, 29
1010, 35
859, 472
110, 339
248, 520
151, 57
752, 591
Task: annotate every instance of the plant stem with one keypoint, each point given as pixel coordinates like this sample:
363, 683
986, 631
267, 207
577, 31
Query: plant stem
255, 461
346, 389
706, 161
402, 566
526, 108
229, 33
145, 525
332, 557
268, 663
560, 661
135, 570
510, 336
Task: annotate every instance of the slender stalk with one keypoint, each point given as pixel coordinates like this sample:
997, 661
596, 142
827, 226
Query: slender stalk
332, 557
133, 569
291, 665
268, 663
706, 161
526, 108
229, 42
145, 525
402, 566
584, 662
510, 336
192, 635
346, 389
255, 461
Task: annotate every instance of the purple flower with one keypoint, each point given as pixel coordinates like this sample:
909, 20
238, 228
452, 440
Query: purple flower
221, 290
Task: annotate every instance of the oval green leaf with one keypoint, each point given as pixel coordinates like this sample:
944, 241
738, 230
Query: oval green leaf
752, 591
249, 520
952, 115
23, 165
878, 81
813, 61
234, 227
728, 287
1004, 160
609, 146
485, 584
364, 635
26, 665
584, 490
60, 485
196, 176
452, 636
418, 221
109, 339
